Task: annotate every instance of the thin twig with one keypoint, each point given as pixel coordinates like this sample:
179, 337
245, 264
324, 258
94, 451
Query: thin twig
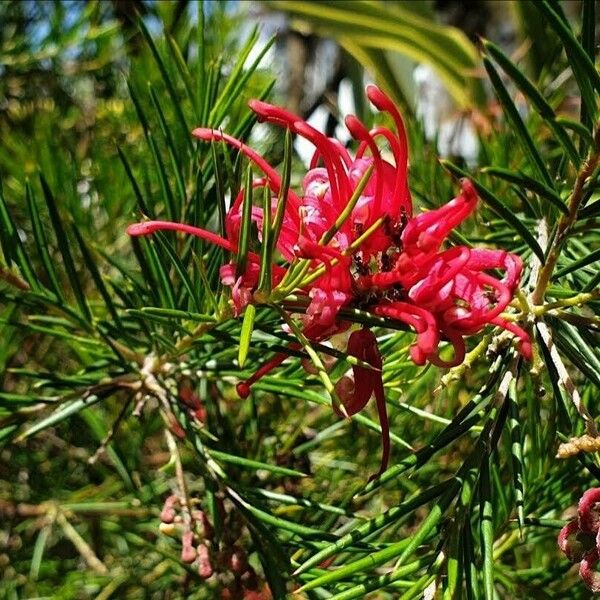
111, 432
565, 380
566, 221
82, 546
183, 496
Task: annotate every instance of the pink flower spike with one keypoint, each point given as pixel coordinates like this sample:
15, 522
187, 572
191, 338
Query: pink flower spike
423, 323
564, 541
331, 156
426, 232
384, 104
588, 510
338, 179
590, 577
150, 227
271, 113
360, 132
485, 259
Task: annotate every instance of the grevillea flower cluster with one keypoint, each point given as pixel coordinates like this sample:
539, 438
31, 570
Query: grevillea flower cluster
220, 558
380, 257
579, 539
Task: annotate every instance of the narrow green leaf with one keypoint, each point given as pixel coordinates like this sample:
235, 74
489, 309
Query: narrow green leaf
219, 189
374, 525
377, 583
134, 184
316, 360
588, 28
486, 525
581, 62
180, 268
518, 466
246, 224
345, 214
173, 154
159, 275
63, 246
41, 242
454, 566
96, 276
513, 116
247, 463
200, 66
9, 399
238, 78
38, 551
472, 568
578, 128
209, 93
278, 522
531, 92
184, 72
175, 99
266, 249
528, 183
580, 353
172, 313
373, 560
584, 261
163, 179
282, 197
59, 415
12, 246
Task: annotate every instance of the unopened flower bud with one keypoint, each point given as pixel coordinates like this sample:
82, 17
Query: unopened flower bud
167, 514
167, 529
188, 552
205, 568
237, 561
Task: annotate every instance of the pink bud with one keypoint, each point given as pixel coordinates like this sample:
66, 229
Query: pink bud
167, 514
188, 554
586, 570
589, 511
205, 568
238, 562
573, 542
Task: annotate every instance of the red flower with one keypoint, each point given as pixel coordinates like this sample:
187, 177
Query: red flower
579, 539
400, 271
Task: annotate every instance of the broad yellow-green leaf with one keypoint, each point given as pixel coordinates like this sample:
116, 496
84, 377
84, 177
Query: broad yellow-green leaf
364, 25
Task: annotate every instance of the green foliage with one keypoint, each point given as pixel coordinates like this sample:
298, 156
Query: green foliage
105, 337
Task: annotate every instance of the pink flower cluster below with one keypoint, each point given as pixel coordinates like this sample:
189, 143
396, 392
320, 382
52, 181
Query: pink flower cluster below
579, 539
401, 271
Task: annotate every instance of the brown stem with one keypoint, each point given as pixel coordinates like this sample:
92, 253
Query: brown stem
566, 221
